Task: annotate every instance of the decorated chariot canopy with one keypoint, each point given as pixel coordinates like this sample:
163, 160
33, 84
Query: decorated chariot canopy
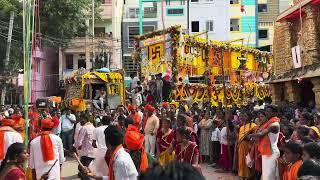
184, 57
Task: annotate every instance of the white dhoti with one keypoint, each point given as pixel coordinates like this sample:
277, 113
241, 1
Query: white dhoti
270, 170
99, 166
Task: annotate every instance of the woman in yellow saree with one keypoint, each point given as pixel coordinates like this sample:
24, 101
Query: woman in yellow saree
244, 144
164, 139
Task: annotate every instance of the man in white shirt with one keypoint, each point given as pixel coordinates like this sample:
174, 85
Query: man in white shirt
8, 136
99, 142
121, 166
84, 143
45, 150
67, 123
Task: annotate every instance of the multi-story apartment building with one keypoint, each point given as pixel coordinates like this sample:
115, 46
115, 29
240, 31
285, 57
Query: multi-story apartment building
211, 16
106, 42
194, 16
268, 11
243, 22
156, 15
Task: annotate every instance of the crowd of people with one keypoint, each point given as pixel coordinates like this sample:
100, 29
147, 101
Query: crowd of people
164, 141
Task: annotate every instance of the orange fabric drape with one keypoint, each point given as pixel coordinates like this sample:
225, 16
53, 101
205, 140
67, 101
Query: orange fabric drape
46, 146
134, 141
111, 174
264, 146
1, 145
291, 173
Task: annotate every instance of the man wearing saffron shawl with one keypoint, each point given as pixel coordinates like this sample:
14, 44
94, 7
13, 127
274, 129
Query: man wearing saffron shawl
133, 140
45, 149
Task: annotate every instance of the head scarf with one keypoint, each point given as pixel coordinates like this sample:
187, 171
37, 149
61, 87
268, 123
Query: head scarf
316, 130
4, 122
45, 140
165, 105
150, 108
7, 122
134, 141
132, 107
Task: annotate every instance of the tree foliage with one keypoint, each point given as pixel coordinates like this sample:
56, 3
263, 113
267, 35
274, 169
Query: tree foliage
60, 21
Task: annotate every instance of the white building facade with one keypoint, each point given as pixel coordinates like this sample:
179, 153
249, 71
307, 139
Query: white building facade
106, 42
212, 16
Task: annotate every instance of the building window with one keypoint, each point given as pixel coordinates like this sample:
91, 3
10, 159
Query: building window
262, 7
195, 26
234, 1
81, 63
234, 25
150, 12
38, 65
129, 66
133, 31
133, 13
263, 34
194, 0
69, 61
99, 31
209, 26
175, 12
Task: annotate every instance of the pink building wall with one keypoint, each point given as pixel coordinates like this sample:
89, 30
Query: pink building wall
47, 76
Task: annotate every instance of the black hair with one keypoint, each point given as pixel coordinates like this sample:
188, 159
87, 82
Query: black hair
184, 131
12, 153
303, 131
294, 147
113, 135
173, 171
273, 108
139, 88
106, 120
128, 121
182, 118
313, 149
168, 120
306, 139
309, 168
309, 117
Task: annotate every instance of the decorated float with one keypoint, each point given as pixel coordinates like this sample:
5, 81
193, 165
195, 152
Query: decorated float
199, 67
82, 88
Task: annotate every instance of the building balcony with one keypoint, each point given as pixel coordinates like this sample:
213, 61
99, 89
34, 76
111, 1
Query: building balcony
83, 44
106, 10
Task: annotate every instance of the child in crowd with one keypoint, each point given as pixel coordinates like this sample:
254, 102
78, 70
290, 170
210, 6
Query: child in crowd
215, 143
293, 155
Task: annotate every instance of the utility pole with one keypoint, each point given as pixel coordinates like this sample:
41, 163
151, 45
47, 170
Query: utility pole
93, 46
6, 61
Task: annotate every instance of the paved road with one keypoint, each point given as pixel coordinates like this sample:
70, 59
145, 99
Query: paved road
70, 170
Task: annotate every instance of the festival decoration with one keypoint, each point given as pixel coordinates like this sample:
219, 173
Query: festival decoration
245, 68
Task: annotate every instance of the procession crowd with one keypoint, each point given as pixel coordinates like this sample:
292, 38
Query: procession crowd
162, 140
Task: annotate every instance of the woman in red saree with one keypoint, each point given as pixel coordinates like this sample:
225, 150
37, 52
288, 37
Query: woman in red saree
12, 166
186, 151
165, 137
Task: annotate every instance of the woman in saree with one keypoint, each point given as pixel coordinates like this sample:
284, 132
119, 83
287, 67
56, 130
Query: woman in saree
244, 144
165, 136
186, 151
12, 166
254, 153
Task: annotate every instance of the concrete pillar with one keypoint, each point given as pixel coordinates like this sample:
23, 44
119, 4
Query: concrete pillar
316, 89
60, 64
292, 93
310, 35
87, 50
